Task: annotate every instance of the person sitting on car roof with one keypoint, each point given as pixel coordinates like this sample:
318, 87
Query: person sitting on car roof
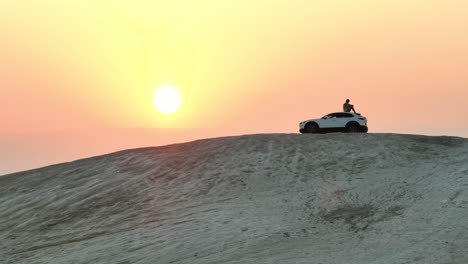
347, 107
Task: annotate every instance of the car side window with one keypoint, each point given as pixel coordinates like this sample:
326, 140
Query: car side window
348, 115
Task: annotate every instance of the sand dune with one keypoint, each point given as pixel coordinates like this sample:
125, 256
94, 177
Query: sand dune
273, 198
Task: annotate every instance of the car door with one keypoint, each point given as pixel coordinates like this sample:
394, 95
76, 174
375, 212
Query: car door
329, 121
344, 118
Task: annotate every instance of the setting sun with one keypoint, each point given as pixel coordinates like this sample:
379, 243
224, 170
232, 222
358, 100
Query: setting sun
167, 99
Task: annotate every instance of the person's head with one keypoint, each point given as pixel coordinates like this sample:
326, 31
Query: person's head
347, 100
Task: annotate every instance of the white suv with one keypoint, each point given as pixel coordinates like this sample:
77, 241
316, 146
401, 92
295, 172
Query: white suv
335, 122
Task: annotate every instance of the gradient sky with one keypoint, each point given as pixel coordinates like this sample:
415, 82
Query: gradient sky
244, 66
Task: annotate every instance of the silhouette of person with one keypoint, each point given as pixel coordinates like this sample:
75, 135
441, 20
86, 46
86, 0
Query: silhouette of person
347, 107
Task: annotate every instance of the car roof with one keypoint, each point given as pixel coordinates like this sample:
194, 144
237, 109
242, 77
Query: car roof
342, 113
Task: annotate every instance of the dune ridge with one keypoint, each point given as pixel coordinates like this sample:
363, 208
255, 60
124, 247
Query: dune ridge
267, 198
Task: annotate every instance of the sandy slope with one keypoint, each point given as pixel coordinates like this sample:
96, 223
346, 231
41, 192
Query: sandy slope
281, 198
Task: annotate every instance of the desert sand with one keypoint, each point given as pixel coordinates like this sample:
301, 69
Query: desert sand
269, 198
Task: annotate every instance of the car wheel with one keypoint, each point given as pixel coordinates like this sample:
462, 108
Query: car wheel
352, 128
311, 128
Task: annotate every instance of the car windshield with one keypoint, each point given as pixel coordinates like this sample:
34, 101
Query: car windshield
329, 116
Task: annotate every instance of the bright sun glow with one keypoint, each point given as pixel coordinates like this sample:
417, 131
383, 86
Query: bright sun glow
167, 99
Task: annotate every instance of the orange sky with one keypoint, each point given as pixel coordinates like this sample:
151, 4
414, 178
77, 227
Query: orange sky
244, 66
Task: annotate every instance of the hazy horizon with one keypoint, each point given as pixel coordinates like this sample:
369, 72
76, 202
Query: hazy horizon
21, 152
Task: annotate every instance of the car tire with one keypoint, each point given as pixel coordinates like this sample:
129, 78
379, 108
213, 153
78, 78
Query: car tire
352, 128
311, 128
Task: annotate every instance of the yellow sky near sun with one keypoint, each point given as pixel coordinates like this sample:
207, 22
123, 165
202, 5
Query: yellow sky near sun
259, 64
